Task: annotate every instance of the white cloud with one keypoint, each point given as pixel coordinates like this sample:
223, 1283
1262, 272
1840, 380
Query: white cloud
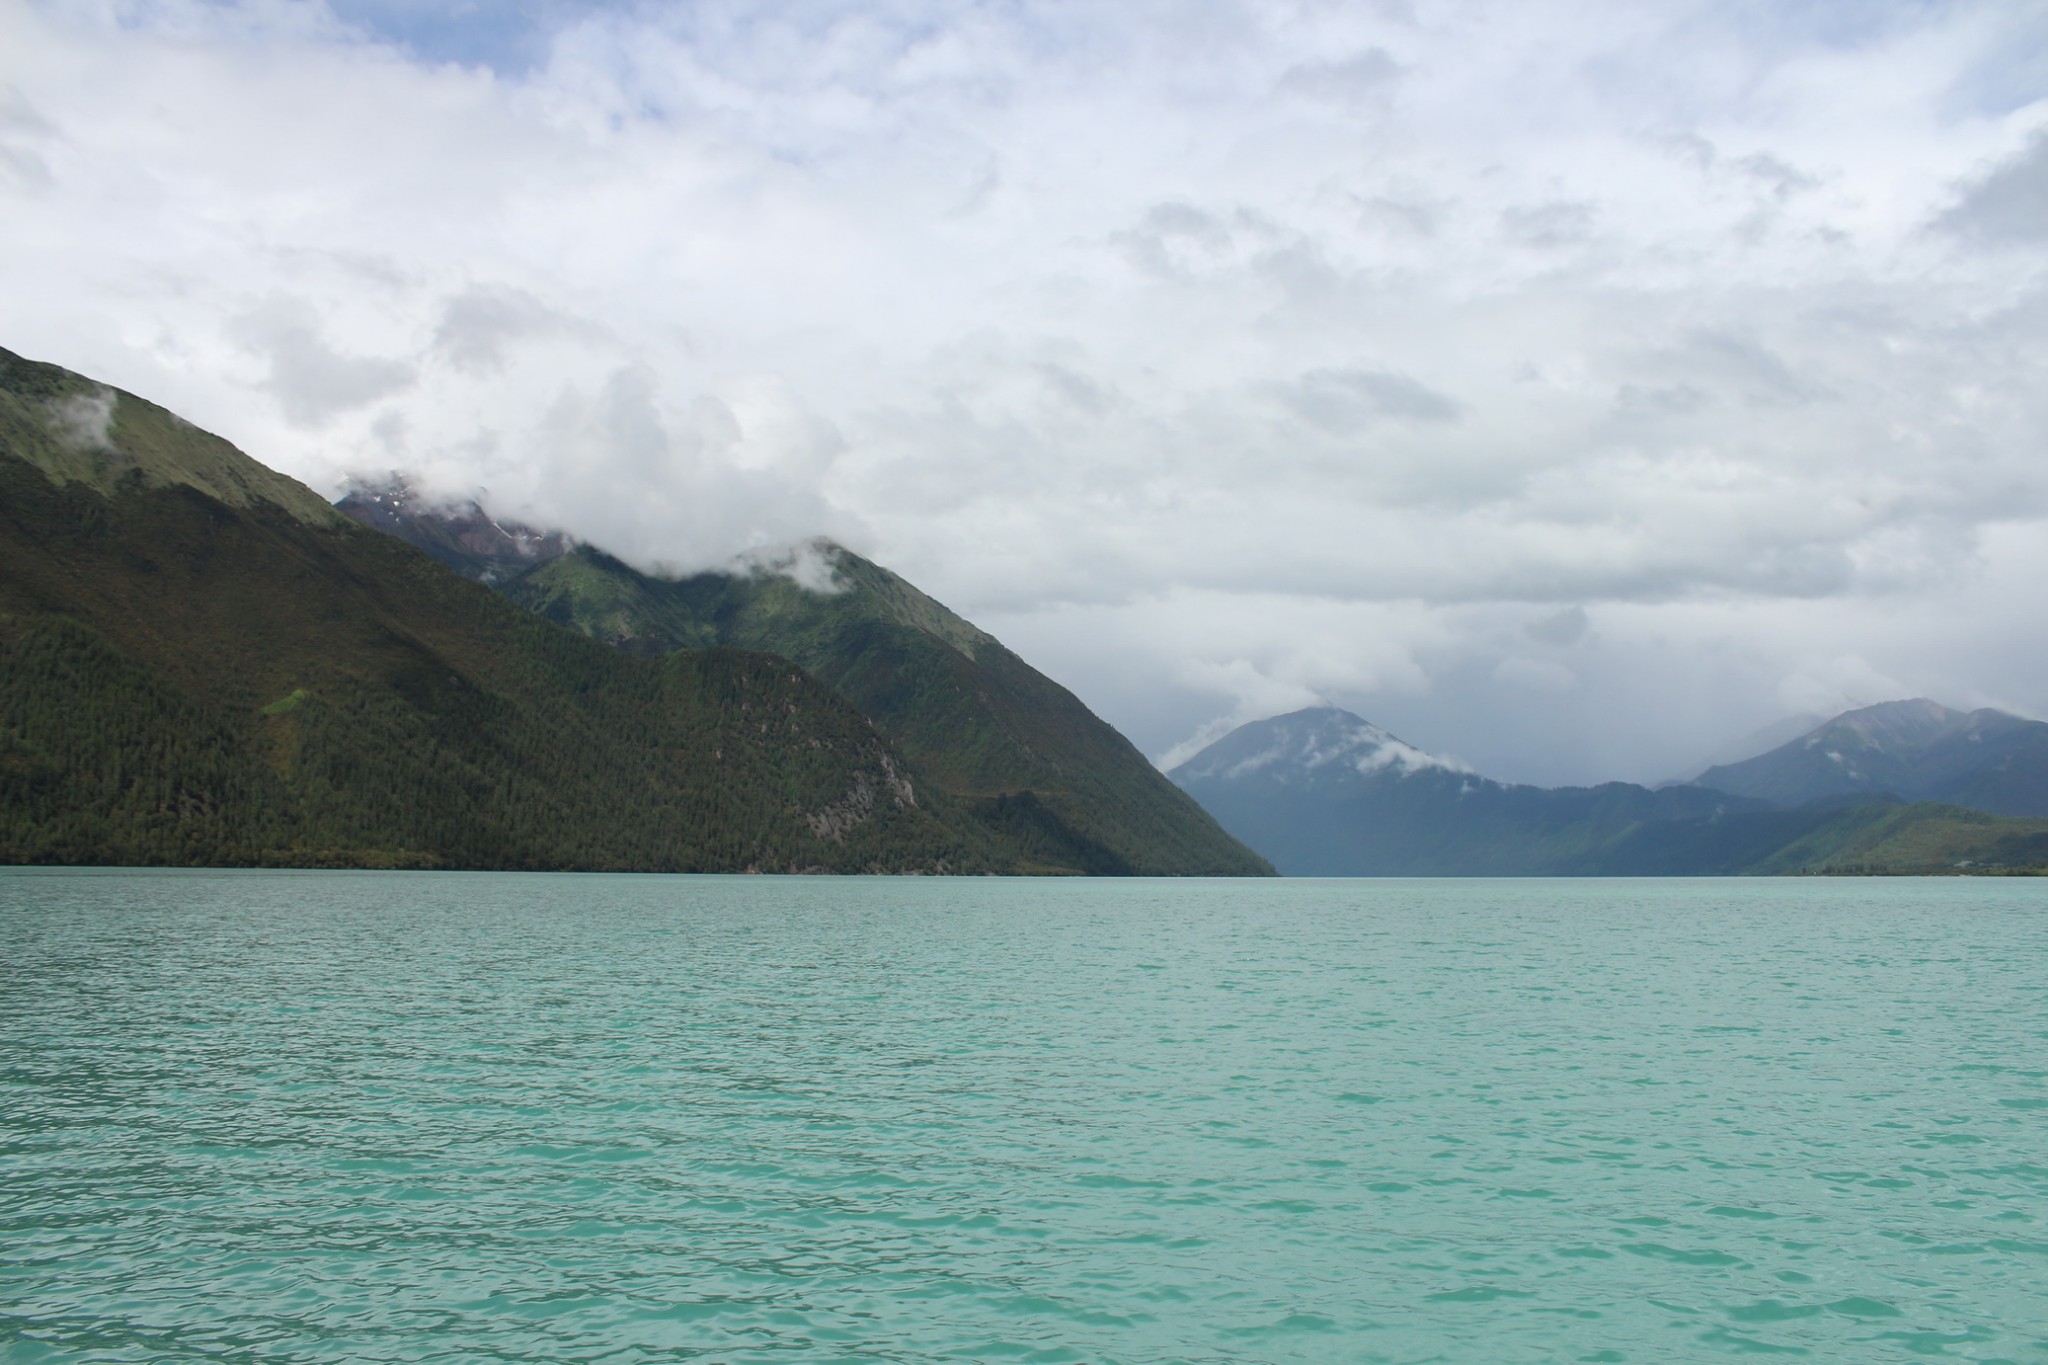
83, 421
1222, 356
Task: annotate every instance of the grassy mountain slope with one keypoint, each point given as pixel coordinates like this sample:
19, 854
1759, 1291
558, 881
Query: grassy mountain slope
77, 431
1923, 838
188, 678
1020, 750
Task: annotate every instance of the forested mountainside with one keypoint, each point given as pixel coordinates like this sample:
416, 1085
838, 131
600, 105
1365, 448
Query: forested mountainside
202, 663
1040, 770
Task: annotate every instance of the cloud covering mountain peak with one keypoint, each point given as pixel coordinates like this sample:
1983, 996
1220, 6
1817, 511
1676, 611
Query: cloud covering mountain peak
1317, 743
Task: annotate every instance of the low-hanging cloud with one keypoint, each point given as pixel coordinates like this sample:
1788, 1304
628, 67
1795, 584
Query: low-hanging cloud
312, 381
23, 133
480, 325
1341, 400
1549, 227
1363, 79
84, 421
678, 487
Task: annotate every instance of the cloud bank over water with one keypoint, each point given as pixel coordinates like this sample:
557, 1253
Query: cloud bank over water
1565, 390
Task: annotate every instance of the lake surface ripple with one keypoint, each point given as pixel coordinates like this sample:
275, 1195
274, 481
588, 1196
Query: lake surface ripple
284, 1117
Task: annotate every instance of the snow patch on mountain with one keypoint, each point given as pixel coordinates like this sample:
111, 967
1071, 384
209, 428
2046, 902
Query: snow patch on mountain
1314, 742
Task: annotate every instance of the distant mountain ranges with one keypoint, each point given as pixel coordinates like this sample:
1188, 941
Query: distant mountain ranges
203, 663
1904, 787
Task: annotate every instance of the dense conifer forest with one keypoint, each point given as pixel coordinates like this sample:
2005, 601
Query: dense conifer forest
1020, 751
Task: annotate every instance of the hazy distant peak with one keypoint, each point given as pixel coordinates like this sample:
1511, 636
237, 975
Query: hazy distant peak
1904, 726
1314, 742
1909, 709
1915, 748
1909, 721
1343, 738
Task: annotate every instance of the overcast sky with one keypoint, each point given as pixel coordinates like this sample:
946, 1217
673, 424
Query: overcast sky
1570, 389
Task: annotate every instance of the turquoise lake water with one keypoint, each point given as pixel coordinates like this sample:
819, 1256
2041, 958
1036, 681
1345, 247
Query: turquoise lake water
324, 1117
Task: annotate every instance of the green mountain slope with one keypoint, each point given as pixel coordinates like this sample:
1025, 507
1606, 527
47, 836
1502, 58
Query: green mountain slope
1018, 749
1925, 838
203, 664
77, 431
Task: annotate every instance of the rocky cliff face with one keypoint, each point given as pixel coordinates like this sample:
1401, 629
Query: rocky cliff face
461, 534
